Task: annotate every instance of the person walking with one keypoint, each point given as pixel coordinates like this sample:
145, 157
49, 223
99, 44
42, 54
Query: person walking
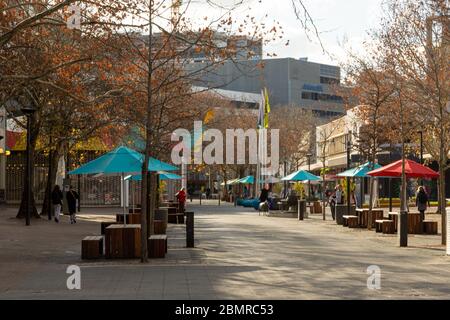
72, 197
57, 197
332, 201
263, 199
421, 202
181, 197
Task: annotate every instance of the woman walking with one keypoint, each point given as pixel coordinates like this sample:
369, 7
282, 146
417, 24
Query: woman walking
72, 197
57, 197
421, 202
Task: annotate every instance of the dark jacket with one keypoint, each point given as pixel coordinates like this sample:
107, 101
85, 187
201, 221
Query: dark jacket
57, 197
72, 197
422, 200
264, 195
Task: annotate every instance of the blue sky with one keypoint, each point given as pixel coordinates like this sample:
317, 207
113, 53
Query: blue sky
340, 21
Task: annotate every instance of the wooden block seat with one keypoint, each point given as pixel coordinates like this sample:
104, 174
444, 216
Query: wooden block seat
384, 226
123, 241
157, 246
104, 225
131, 218
92, 247
430, 227
351, 221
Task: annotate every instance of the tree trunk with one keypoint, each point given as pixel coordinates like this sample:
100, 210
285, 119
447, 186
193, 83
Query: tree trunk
146, 177
151, 203
371, 183
144, 209
324, 185
51, 179
23, 204
442, 202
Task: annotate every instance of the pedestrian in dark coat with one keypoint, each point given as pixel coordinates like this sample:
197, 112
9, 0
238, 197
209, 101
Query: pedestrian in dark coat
72, 197
421, 202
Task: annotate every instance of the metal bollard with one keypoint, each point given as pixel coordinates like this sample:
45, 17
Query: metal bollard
300, 209
190, 229
403, 228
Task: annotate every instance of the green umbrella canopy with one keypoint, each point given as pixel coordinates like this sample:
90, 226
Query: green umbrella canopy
360, 171
301, 176
121, 160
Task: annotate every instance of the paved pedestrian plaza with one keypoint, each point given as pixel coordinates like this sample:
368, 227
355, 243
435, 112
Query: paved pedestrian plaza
238, 255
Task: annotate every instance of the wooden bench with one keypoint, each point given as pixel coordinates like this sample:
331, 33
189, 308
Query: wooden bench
175, 218
430, 227
104, 225
351, 221
157, 246
385, 226
92, 247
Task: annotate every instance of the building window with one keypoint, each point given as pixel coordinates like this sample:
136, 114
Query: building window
321, 97
327, 80
326, 114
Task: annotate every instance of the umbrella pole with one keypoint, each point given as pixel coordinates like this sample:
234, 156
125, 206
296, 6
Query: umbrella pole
123, 200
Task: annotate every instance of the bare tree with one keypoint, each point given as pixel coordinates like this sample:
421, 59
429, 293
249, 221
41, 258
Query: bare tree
416, 34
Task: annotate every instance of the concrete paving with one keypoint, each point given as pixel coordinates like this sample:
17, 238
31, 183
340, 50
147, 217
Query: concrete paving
238, 255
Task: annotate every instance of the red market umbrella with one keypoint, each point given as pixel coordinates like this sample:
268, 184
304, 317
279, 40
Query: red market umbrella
412, 170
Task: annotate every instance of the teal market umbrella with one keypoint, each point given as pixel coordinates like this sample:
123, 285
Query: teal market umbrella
301, 176
162, 176
360, 171
247, 180
121, 161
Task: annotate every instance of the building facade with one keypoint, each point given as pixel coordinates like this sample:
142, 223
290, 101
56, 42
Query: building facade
289, 81
333, 139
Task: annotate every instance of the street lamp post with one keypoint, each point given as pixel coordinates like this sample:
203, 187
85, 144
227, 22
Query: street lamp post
349, 145
309, 155
390, 183
28, 112
421, 147
421, 152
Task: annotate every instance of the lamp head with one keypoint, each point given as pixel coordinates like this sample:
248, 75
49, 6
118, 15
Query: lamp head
28, 110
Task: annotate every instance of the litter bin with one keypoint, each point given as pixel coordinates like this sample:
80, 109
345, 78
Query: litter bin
301, 209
